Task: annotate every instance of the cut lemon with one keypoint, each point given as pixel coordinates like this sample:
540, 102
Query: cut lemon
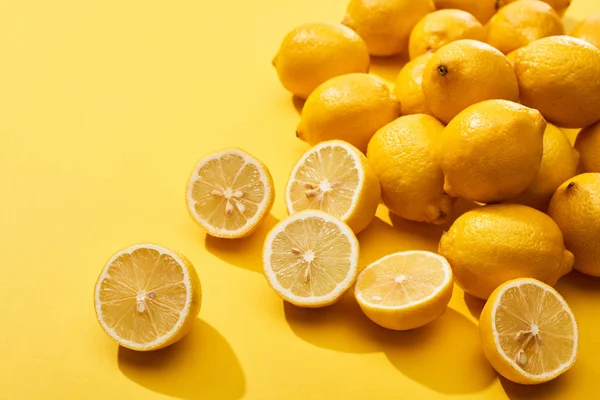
405, 290
335, 177
310, 259
230, 193
147, 297
528, 332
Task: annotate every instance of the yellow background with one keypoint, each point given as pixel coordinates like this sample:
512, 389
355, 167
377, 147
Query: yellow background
105, 107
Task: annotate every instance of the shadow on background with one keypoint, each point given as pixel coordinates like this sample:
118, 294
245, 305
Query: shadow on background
244, 253
556, 389
298, 103
388, 67
200, 366
474, 304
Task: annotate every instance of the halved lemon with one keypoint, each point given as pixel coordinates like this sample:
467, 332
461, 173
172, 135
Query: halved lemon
147, 297
230, 193
335, 177
310, 259
405, 290
528, 332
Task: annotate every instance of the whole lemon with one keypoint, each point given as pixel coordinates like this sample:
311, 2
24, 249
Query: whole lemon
588, 30
560, 6
313, 53
386, 24
560, 76
559, 163
588, 145
466, 72
401, 154
409, 86
349, 107
494, 244
442, 27
520, 23
491, 151
575, 207
481, 9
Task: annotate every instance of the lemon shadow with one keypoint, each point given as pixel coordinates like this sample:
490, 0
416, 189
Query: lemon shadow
557, 389
244, 253
200, 366
298, 103
388, 68
474, 305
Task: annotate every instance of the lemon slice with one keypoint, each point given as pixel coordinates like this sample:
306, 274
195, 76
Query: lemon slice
405, 290
230, 193
528, 332
147, 297
335, 177
310, 259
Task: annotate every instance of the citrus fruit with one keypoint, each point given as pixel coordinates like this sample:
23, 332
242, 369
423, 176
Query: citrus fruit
409, 86
401, 154
481, 9
491, 151
493, 244
229, 193
405, 290
560, 76
466, 72
560, 6
385, 24
575, 207
147, 297
442, 27
520, 23
349, 107
336, 178
588, 145
528, 332
588, 30
310, 259
313, 53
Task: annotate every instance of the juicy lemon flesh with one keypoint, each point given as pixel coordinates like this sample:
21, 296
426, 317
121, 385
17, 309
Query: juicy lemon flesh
327, 181
143, 295
227, 192
311, 257
534, 329
400, 280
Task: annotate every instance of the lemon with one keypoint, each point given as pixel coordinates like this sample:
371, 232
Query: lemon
313, 53
588, 30
401, 154
349, 107
386, 24
466, 72
310, 259
520, 23
409, 86
491, 151
560, 76
493, 244
560, 6
575, 207
336, 178
147, 297
528, 332
588, 145
440, 28
480, 9
230, 193
559, 163
405, 290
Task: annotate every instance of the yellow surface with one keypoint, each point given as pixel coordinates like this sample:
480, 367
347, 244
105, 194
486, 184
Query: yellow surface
105, 107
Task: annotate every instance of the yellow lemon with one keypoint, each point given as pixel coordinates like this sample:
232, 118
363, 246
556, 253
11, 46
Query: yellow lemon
528, 332
147, 297
491, 151
348, 107
405, 290
493, 244
386, 24
440, 28
520, 23
466, 72
588, 145
560, 76
401, 154
576, 209
480, 9
588, 30
336, 178
409, 86
313, 53
560, 6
